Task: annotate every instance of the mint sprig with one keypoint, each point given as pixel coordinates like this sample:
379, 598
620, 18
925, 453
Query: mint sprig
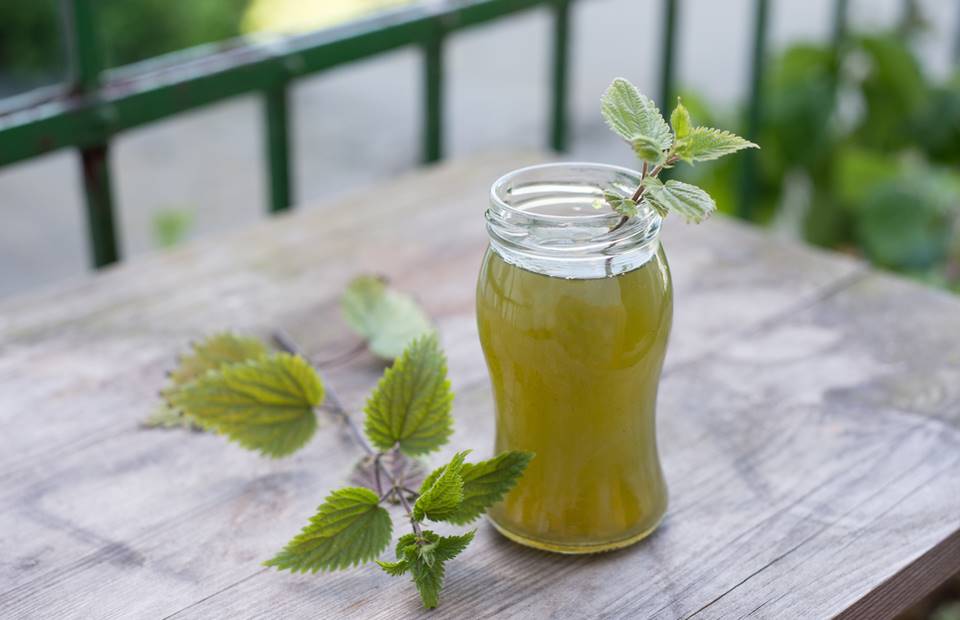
271, 402
636, 119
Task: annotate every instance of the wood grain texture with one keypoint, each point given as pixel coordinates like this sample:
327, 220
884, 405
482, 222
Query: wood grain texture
809, 425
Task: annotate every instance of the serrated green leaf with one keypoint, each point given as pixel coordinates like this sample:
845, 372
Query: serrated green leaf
386, 318
680, 120
449, 547
441, 498
350, 527
166, 416
647, 149
264, 404
410, 406
428, 574
486, 483
215, 352
687, 200
623, 205
635, 117
706, 143
394, 569
212, 353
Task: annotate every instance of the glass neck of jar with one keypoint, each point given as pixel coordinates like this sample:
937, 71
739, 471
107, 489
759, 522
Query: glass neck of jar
546, 219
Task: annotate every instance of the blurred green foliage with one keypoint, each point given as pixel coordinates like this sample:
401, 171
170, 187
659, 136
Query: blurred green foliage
31, 39
171, 226
861, 152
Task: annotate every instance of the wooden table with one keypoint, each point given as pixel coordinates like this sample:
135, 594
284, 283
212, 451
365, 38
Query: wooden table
809, 423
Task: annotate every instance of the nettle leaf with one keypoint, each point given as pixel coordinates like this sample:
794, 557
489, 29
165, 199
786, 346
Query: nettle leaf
394, 569
706, 143
426, 559
350, 527
410, 407
487, 482
215, 352
647, 149
687, 200
386, 318
680, 120
623, 205
211, 353
166, 416
441, 498
636, 119
264, 404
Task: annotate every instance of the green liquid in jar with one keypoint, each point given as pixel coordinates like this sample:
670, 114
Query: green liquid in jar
574, 365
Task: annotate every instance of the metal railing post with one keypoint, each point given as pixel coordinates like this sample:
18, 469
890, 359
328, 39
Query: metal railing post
433, 97
668, 53
277, 140
87, 63
748, 189
560, 75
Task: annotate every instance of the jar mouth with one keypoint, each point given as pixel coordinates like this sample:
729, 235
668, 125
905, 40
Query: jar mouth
518, 190
543, 218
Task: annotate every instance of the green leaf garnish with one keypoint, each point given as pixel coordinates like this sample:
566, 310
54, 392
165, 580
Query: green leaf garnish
623, 205
410, 408
706, 143
386, 318
680, 120
441, 498
687, 200
350, 527
636, 119
264, 404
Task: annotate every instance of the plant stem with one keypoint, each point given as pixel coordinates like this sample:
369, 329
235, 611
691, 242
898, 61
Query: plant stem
332, 403
335, 406
340, 358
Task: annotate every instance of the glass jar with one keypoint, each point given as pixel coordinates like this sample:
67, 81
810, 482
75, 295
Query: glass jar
574, 307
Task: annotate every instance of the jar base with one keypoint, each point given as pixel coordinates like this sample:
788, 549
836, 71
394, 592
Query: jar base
577, 548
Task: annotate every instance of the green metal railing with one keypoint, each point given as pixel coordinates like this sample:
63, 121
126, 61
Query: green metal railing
99, 104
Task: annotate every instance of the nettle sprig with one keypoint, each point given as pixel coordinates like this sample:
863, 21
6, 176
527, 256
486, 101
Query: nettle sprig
636, 119
272, 401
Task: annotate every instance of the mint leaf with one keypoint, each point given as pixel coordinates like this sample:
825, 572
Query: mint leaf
487, 482
706, 143
410, 406
350, 527
215, 352
426, 558
680, 120
264, 404
636, 119
386, 318
442, 496
687, 200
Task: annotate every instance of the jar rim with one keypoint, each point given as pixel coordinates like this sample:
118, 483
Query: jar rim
498, 189
543, 218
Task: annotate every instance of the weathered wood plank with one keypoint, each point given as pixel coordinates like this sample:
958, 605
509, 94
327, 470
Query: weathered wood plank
788, 502
809, 434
